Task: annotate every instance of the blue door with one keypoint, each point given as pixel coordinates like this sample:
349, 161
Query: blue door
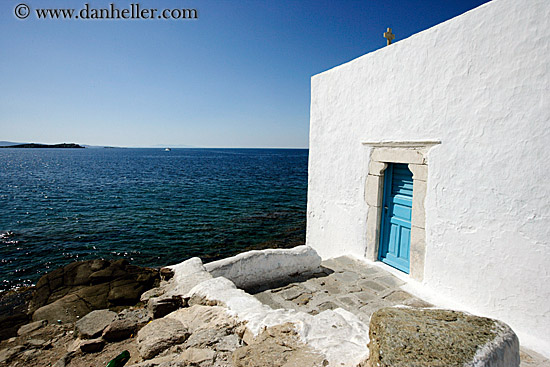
395, 228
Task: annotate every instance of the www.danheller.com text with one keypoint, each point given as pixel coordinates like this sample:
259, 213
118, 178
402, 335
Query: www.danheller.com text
88, 12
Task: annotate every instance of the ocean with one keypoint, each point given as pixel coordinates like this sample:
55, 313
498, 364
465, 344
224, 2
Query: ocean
150, 206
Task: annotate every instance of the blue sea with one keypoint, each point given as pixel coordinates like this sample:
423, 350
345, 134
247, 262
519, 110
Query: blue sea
150, 206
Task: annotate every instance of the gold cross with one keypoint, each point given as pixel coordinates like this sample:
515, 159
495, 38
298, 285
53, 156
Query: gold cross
389, 36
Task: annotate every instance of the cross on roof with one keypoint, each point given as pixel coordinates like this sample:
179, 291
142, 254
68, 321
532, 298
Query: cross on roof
389, 36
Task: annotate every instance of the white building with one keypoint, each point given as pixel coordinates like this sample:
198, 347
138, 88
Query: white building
463, 108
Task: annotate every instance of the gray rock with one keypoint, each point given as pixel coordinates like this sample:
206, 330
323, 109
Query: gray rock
151, 293
33, 326
197, 356
38, 343
128, 322
65, 360
431, 337
228, 343
160, 334
65, 309
6, 355
30, 354
204, 338
120, 330
92, 345
80, 287
204, 317
162, 306
93, 324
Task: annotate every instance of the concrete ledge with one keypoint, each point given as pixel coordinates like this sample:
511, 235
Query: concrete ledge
256, 268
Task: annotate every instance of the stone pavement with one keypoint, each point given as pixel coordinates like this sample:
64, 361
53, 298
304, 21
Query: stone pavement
358, 288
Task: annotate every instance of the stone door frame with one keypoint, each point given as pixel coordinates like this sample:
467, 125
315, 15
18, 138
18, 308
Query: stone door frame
413, 153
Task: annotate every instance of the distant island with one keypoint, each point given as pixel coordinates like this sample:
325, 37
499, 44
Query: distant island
34, 145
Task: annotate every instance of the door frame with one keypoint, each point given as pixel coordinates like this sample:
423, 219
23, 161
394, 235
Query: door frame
413, 153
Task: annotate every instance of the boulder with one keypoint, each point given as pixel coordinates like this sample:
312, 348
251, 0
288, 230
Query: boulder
93, 324
92, 345
38, 343
432, 337
152, 293
162, 306
80, 287
205, 338
33, 326
66, 309
127, 322
197, 356
159, 335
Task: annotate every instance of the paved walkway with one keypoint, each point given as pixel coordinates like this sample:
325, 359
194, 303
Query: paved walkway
358, 288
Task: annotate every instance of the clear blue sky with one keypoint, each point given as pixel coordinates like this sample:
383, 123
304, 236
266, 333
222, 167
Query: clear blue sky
238, 76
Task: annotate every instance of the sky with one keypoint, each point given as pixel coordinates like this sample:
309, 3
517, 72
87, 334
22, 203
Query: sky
237, 76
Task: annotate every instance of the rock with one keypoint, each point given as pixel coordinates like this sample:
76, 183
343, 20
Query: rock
160, 334
204, 338
74, 346
33, 326
38, 343
162, 306
127, 322
119, 330
152, 293
223, 359
65, 360
63, 310
30, 354
204, 317
92, 345
93, 324
197, 356
6, 355
228, 343
80, 287
277, 346
431, 337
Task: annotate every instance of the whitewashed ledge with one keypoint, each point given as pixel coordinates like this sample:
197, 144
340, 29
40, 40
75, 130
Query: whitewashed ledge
255, 268
337, 334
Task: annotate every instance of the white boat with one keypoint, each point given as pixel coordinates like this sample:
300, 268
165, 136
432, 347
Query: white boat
167, 149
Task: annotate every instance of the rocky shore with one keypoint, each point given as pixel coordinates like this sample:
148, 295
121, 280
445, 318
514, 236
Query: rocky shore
192, 314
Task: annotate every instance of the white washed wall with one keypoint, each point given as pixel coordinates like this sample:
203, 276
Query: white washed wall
479, 83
